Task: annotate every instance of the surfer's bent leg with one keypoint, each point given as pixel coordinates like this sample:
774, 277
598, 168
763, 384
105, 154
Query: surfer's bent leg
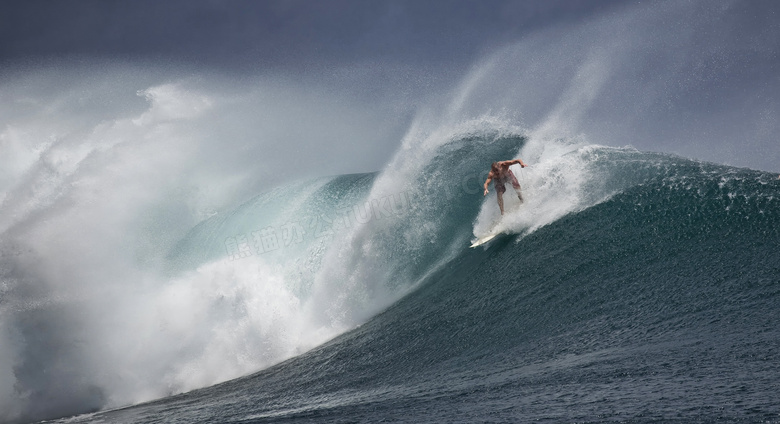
500, 189
516, 186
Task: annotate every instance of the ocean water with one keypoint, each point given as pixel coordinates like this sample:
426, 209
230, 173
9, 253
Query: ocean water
647, 291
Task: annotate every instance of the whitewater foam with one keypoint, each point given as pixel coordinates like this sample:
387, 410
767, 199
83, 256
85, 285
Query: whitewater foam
95, 203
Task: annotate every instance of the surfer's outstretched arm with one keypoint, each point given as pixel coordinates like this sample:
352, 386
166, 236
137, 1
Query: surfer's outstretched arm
489, 179
513, 162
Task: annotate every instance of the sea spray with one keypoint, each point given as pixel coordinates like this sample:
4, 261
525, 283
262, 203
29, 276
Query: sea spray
97, 202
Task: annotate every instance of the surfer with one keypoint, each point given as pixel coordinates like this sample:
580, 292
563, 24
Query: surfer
500, 174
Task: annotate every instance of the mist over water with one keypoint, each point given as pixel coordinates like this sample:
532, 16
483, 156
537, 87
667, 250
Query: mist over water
102, 177
107, 169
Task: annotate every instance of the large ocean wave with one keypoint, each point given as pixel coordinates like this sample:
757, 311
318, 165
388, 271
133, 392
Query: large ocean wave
651, 295
300, 264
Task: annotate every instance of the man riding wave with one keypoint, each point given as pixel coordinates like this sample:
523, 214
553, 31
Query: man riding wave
500, 174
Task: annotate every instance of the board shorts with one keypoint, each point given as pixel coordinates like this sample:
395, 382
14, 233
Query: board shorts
508, 178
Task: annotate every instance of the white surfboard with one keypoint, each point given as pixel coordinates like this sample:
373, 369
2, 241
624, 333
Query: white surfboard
485, 239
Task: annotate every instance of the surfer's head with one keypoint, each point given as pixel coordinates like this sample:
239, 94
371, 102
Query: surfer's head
494, 167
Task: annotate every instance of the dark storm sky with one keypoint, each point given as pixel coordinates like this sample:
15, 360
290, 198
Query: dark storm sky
241, 33
713, 74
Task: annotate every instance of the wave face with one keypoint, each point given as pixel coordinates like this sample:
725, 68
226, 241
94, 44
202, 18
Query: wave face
646, 290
